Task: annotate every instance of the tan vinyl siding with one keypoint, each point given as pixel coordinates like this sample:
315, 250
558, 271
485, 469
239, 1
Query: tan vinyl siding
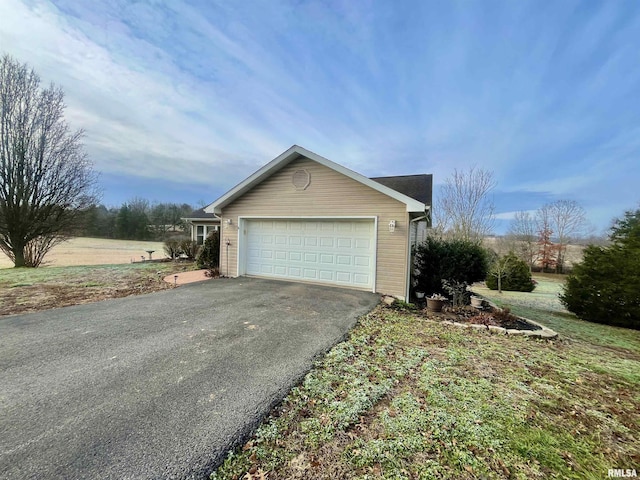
329, 194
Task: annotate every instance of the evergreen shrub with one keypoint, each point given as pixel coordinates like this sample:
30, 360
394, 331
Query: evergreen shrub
457, 261
605, 286
209, 256
513, 272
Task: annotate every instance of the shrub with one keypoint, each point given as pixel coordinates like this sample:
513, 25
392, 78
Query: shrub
172, 248
605, 286
513, 273
209, 256
189, 248
457, 261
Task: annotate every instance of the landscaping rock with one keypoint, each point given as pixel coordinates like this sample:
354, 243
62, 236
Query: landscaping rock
513, 331
496, 329
388, 299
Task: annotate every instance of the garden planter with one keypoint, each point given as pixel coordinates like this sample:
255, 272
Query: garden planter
434, 305
476, 302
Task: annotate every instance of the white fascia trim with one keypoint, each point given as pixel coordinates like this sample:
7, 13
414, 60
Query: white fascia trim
293, 153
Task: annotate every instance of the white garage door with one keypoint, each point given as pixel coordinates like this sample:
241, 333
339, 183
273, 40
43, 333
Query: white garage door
340, 252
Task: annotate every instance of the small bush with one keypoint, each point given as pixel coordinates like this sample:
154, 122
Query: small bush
212, 272
189, 248
513, 272
457, 261
172, 248
403, 306
209, 256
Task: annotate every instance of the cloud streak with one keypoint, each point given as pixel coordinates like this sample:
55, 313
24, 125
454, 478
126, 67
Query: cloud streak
203, 93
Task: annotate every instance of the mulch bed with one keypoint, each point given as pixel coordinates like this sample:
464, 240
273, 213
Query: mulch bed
486, 315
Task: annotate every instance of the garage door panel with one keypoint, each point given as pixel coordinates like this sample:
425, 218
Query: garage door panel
326, 275
363, 244
295, 272
326, 242
360, 279
344, 277
331, 251
310, 273
327, 258
343, 259
344, 242
362, 261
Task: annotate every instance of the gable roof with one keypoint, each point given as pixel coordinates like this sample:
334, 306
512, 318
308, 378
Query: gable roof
418, 187
200, 214
296, 152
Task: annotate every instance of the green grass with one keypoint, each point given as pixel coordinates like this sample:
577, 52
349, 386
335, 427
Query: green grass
543, 305
406, 398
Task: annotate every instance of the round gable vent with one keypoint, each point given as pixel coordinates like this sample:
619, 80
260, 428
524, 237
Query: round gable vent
301, 179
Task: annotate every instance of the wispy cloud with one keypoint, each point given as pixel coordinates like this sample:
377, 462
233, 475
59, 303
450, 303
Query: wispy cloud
203, 93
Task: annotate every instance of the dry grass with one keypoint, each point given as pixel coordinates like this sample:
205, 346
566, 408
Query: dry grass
95, 251
31, 290
35, 289
84, 270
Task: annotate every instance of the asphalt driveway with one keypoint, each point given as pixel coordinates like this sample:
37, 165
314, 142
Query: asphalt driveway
160, 385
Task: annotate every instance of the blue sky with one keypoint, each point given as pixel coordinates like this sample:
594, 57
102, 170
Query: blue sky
182, 100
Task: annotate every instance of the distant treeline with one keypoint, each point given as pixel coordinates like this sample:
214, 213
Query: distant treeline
136, 219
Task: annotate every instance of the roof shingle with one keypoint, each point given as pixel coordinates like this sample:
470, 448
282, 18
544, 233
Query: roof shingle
418, 187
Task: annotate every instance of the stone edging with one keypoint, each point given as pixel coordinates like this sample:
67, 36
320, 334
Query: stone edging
544, 332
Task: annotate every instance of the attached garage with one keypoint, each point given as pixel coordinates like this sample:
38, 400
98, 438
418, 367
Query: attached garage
333, 251
304, 218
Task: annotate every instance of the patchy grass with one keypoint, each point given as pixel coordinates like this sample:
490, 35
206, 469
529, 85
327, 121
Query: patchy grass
33, 289
406, 398
96, 251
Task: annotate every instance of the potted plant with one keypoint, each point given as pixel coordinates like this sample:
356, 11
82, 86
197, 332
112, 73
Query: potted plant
476, 301
435, 302
419, 295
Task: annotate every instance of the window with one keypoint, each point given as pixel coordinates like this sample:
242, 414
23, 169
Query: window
200, 236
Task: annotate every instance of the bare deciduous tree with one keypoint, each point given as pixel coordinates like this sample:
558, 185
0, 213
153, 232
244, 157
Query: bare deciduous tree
523, 232
567, 220
46, 179
465, 210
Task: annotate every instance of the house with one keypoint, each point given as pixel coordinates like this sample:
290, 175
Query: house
304, 218
200, 224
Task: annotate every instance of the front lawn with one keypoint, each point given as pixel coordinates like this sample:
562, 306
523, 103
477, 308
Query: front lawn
406, 398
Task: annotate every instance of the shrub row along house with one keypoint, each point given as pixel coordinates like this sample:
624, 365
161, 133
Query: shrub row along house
302, 217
